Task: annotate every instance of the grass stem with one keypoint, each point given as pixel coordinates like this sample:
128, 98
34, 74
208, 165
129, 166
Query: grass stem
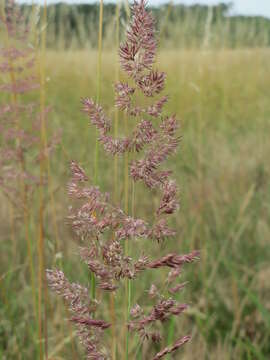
127, 285
96, 160
116, 185
42, 293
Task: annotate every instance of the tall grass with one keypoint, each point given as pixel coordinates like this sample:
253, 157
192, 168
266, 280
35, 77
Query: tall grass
225, 107
96, 155
228, 125
209, 211
10, 40
42, 291
116, 171
22, 128
108, 228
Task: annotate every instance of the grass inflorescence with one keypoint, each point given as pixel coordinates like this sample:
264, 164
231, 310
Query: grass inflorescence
221, 97
109, 232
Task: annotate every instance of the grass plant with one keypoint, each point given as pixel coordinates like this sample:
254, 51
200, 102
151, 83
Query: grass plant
225, 214
227, 170
42, 291
109, 230
96, 159
15, 36
116, 172
22, 126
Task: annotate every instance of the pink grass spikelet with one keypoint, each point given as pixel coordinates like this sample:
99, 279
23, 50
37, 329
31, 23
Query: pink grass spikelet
171, 349
174, 260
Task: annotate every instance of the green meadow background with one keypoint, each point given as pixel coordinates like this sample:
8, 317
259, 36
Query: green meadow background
218, 80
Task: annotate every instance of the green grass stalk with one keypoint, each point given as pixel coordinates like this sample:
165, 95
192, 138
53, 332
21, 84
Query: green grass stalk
127, 284
42, 297
11, 209
12, 231
116, 175
96, 160
126, 191
116, 118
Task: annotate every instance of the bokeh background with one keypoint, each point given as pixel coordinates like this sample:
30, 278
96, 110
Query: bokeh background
218, 79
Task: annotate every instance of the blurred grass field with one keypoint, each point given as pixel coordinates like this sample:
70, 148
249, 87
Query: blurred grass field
222, 100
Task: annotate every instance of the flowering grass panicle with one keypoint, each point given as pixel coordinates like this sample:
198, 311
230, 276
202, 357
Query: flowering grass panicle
106, 227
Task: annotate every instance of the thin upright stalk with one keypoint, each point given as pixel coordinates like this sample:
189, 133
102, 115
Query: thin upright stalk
116, 119
12, 230
92, 276
98, 82
127, 9
11, 209
52, 200
43, 144
128, 295
116, 175
126, 191
126, 177
165, 23
128, 283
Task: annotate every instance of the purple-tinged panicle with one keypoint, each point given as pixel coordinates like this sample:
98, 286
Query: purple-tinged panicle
152, 140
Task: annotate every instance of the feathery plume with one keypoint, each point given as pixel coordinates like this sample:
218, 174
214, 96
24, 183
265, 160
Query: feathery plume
107, 227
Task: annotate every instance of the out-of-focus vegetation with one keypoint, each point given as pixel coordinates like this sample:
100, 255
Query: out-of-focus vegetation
221, 97
75, 26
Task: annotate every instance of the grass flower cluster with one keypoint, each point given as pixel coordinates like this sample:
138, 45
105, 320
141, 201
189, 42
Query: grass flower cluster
105, 227
124, 260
